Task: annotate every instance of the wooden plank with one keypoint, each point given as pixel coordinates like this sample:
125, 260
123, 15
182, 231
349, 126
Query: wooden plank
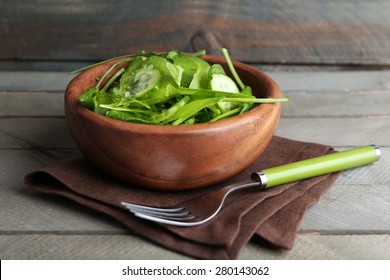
286, 32
27, 103
34, 133
344, 131
129, 247
34, 81
348, 209
335, 104
41, 65
299, 81
327, 247
338, 81
90, 247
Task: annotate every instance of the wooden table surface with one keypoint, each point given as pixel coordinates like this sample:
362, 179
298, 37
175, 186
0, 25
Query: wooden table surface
340, 108
331, 57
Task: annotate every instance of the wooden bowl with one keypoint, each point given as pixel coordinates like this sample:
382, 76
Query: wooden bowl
173, 158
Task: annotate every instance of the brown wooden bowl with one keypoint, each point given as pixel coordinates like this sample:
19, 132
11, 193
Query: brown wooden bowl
173, 158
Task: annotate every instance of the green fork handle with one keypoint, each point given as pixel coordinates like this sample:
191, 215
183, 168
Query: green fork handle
317, 166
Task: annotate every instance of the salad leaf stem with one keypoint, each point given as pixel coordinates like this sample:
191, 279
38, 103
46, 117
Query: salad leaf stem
226, 114
108, 73
232, 69
199, 53
112, 59
113, 78
127, 109
256, 100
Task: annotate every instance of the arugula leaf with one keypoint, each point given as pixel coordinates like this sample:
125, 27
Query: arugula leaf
170, 89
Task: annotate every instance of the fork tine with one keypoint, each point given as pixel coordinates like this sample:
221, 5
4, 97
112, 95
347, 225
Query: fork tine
150, 208
171, 218
164, 218
163, 214
178, 213
174, 214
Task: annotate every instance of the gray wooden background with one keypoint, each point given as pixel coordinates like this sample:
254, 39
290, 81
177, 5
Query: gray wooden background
283, 32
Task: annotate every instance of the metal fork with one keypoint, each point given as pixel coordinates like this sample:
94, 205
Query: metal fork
202, 209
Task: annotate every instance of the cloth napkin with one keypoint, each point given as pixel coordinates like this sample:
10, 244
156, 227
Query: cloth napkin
272, 216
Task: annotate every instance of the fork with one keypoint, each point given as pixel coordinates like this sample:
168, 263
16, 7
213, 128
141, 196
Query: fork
203, 208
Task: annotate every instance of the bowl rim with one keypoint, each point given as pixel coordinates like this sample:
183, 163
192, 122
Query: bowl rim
71, 98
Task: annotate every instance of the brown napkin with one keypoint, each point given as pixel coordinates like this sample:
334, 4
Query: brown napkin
273, 215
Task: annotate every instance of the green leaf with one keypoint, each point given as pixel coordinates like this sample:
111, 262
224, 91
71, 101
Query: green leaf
176, 72
99, 99
171, 111
200, 80
128, 117
191, 109
86, 99
190, 65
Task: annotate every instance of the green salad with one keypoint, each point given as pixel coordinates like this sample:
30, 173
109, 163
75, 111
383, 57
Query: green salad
171, 88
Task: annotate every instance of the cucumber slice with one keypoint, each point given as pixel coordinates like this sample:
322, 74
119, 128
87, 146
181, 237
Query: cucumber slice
143, 80
221, 82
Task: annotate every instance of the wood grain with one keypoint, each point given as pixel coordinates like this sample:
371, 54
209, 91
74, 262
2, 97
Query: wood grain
286, 32
128, 247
